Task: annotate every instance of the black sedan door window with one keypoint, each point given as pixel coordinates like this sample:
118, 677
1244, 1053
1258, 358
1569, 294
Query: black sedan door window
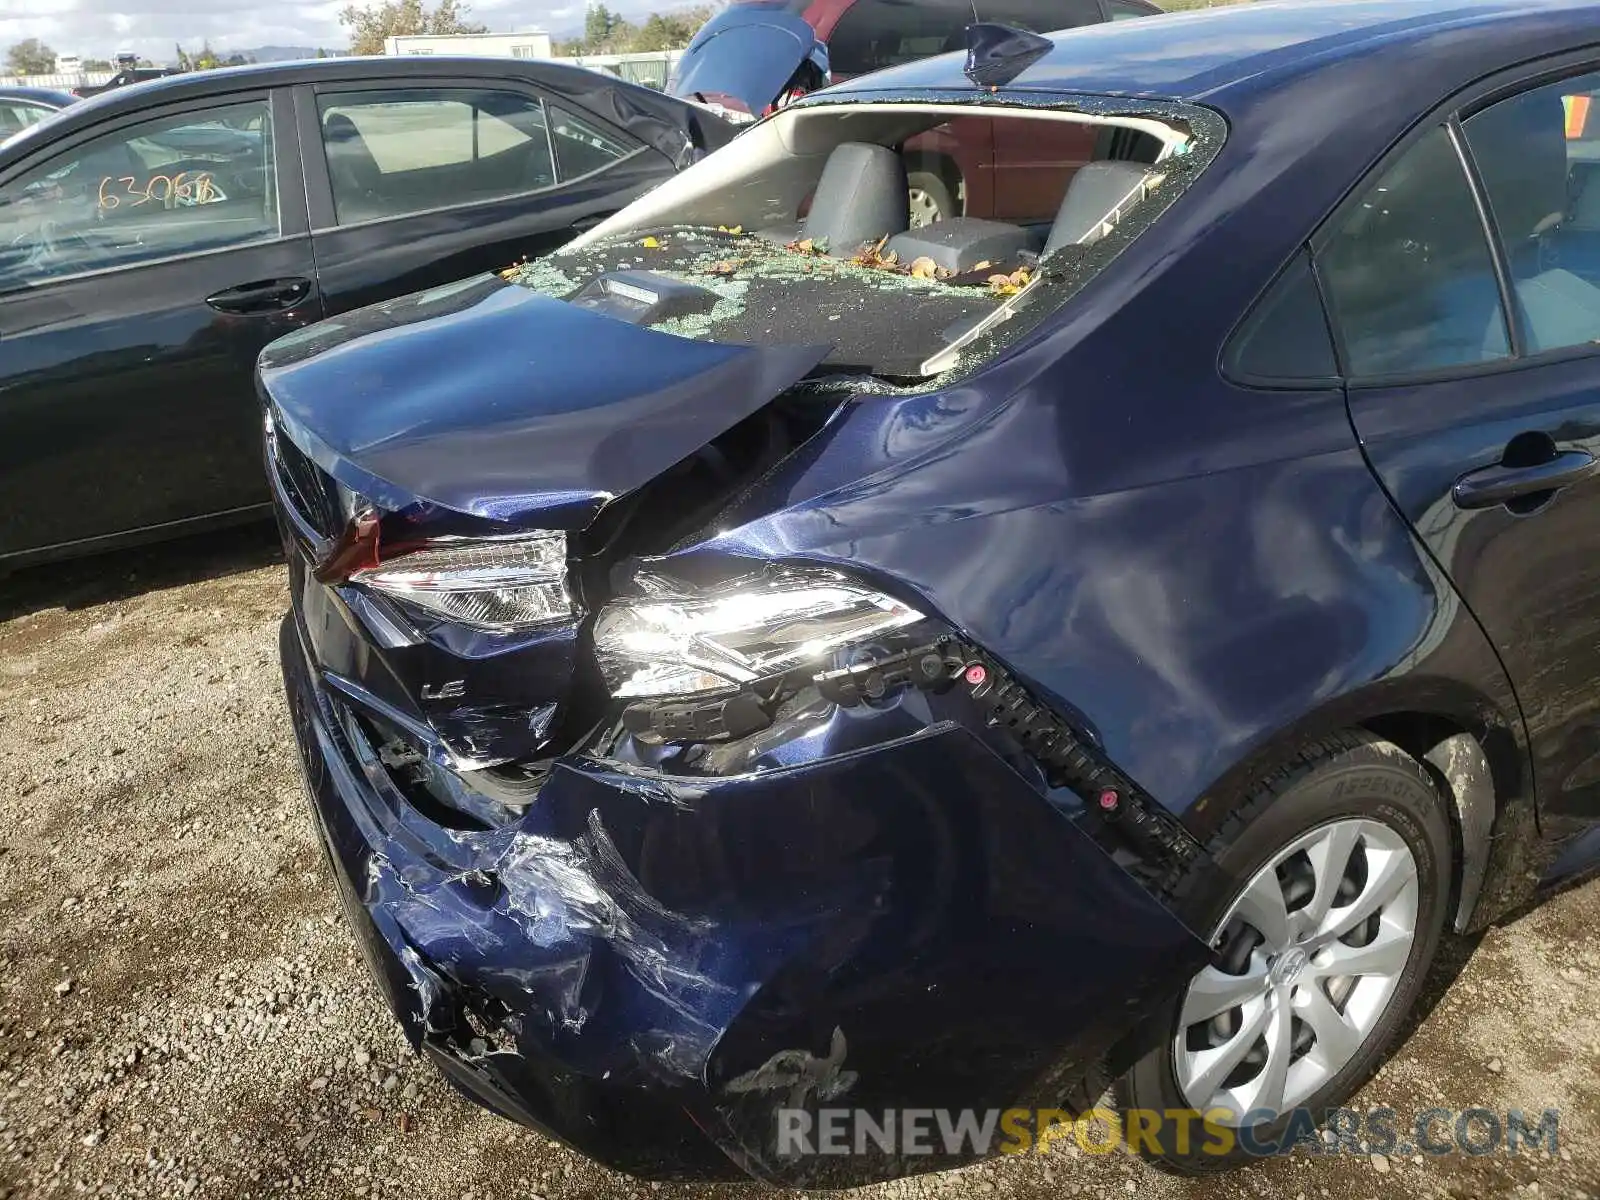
141, 272
393, 153
582, 147
172, 186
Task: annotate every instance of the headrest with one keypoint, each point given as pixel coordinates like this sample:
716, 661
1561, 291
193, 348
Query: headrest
861, 197
338, 126
1096, 191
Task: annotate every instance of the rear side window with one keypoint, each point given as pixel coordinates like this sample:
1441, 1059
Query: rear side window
391, 153
1408, 273
1285, 339
583, 146
1540, 166
1121, 10
204, 180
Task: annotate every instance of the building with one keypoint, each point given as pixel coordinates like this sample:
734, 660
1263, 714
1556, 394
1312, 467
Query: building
532, 44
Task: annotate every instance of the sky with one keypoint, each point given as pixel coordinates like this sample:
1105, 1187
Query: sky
151, 28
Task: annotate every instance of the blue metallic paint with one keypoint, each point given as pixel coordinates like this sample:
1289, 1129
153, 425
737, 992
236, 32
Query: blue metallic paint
1525, 574
656, 942
748, 53
1200, 575
449, 396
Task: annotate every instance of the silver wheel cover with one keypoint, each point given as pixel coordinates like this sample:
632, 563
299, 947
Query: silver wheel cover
1315, 945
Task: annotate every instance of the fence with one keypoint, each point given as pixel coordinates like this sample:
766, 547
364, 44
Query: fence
61, 83
651, 68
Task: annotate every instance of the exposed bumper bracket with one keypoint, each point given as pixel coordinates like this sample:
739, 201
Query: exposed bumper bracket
1166, 848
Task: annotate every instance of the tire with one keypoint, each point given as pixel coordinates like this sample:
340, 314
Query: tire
1354, 797
929, 198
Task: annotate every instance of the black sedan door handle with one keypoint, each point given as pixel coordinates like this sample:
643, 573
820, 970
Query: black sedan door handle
267, 295
1499, 483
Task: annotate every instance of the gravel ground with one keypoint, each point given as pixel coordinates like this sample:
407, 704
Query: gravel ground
182, 1012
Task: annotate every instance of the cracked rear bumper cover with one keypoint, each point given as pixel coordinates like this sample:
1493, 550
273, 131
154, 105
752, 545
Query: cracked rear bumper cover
649, 975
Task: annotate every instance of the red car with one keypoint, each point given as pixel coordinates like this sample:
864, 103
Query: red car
756, 55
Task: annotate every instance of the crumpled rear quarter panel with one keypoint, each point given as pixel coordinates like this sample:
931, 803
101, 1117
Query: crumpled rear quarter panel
635, 959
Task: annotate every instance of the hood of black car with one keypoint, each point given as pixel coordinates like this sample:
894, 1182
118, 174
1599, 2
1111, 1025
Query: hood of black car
747, 53
498, 402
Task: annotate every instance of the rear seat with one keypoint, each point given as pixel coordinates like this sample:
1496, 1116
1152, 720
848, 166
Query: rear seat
861, 196
960, 244
1097, 192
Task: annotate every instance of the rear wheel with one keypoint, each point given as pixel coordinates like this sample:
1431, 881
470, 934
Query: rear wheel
929, 198
1324, 918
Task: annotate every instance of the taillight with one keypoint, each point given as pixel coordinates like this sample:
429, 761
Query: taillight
666, 645
502, 583
494, 583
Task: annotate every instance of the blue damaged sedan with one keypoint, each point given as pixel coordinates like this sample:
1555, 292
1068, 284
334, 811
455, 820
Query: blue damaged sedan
765, 659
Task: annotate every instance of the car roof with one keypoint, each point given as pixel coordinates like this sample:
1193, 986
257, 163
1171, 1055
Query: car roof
190, 85
51, 96
1231, 57
319, 70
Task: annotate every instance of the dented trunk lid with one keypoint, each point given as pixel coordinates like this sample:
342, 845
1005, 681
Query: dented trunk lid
497, 402
479, 409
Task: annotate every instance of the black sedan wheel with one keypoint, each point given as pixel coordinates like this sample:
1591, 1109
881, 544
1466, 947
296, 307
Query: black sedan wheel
1324, 918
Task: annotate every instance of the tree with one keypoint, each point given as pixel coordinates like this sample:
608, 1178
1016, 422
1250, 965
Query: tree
655, 34
669, 31
31, 57
370, 25
97, 64
600, 24
606, 32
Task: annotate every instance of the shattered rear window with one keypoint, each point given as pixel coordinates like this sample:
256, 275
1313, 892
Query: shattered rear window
771, 292
727, 244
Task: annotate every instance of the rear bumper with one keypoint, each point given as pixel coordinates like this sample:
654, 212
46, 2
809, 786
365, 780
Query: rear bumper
651, 973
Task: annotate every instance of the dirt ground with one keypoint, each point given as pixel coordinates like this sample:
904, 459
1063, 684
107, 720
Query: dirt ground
182, 1012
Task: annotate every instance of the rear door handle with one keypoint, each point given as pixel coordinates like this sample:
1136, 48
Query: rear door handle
266, 295
1498, 484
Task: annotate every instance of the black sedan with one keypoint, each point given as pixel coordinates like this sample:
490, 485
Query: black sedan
1118, 649
126, 77
155, 238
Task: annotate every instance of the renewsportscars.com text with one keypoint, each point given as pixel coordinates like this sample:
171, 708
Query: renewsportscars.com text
1183, 1131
